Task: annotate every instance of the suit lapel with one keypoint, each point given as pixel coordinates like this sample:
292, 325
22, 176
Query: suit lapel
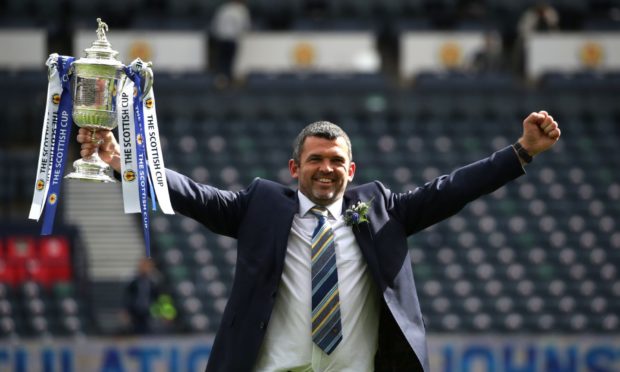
365, 238
283, 220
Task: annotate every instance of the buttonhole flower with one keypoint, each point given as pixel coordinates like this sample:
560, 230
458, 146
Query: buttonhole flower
357, 213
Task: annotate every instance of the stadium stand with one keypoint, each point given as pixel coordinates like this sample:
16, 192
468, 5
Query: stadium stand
523, 258
41, 295
541, 254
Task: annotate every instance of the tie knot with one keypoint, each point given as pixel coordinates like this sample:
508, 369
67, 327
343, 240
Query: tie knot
318, 211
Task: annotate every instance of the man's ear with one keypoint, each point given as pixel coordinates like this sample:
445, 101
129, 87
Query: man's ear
351, 171
293, 167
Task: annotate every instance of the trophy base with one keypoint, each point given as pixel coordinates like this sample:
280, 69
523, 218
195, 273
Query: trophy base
92, 169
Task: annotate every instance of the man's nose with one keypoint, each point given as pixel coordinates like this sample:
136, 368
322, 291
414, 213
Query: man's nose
326, 166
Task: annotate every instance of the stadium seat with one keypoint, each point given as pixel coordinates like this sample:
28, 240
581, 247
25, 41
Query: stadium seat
19, 251
54, 255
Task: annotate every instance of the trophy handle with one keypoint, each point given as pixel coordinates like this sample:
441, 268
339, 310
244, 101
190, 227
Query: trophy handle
147, 75
52, 65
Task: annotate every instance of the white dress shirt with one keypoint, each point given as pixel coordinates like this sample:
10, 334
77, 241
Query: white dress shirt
288, 345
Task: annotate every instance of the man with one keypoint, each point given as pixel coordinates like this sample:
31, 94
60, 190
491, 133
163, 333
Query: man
141, 292
287, 287
230, 22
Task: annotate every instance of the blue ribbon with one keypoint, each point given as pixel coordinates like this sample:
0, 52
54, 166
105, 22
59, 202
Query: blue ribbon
143, 178
60, 137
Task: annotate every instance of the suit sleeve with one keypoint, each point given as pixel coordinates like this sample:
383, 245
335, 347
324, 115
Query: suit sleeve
220, 211
448, 194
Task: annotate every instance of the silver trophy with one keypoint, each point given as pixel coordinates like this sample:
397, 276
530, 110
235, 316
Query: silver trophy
95, 82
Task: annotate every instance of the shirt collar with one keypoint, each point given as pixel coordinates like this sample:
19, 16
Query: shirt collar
305, 204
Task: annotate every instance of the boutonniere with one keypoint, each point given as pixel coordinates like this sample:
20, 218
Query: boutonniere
358, 213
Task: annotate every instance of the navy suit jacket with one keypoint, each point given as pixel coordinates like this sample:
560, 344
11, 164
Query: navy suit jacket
260, 218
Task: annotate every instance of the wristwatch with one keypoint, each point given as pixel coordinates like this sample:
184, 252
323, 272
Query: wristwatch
523, 154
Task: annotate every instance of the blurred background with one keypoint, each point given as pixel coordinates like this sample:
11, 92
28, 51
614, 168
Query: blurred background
524, 279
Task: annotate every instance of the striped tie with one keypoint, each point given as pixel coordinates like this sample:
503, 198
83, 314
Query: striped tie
326, 326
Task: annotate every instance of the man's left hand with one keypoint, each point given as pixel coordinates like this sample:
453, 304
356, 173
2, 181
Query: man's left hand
540, 132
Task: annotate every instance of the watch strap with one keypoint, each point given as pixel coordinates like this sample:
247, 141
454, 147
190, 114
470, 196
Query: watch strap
523, 154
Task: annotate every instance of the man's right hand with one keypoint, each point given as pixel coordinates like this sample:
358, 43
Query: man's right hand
109, 149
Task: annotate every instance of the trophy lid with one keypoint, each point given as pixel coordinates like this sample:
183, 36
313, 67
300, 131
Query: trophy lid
101, 51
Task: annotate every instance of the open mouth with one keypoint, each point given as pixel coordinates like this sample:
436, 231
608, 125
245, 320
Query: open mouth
324, 181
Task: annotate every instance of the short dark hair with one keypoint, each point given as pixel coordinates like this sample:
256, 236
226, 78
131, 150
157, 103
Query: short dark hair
322, 129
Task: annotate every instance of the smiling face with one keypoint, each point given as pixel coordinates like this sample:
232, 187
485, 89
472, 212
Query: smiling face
324, 169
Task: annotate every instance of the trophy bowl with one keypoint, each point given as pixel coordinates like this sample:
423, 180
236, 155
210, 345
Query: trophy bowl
95, 80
